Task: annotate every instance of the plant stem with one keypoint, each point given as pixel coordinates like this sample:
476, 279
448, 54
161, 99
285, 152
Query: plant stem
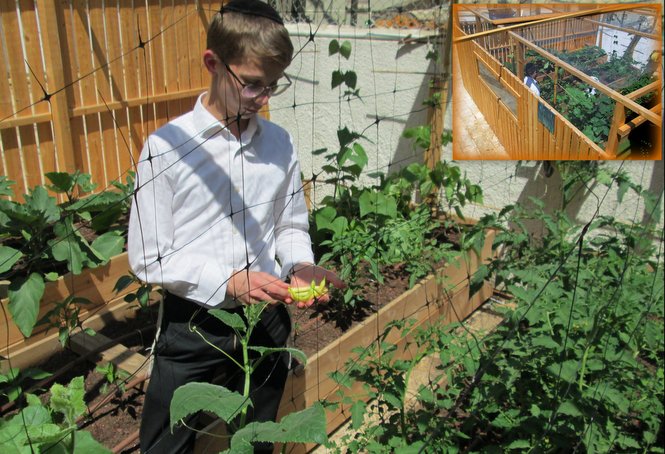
247, 368
583, 368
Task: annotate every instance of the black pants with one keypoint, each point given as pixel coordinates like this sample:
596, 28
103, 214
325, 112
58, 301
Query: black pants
182, 356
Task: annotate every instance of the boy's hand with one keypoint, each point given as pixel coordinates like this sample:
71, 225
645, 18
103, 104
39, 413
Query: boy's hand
304, 275
250, 287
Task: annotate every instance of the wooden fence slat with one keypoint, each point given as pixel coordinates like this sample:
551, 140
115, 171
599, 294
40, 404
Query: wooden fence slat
12, 160
86, 54
32, 163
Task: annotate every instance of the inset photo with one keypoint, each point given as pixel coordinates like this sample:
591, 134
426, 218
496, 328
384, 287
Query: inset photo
557, 82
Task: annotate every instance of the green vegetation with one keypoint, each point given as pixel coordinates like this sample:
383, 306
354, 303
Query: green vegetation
585, 107
42, 238
50, 427
306, 426
577, 364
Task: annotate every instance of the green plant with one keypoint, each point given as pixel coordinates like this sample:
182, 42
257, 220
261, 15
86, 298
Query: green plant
40, 237
362, 230
113, 375
576, 366
65, 316
11, 383
51, 427
392, 415
305, 426
349, 78
142, 293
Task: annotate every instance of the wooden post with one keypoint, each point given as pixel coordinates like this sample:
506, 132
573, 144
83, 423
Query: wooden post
520, 61
68, 160
618, 119
440, 84
435, 120
556, 79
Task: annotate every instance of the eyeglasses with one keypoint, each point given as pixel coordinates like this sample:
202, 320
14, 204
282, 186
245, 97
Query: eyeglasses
252, 91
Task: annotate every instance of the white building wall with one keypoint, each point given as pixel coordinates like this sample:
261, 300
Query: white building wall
393, 83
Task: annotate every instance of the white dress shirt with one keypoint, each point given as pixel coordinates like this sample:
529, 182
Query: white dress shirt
532, 84
207, 204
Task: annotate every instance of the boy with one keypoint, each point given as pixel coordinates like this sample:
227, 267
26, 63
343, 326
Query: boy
530, 80
218, 199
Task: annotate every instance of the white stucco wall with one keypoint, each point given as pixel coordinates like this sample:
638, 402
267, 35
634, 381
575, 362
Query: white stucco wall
393, 83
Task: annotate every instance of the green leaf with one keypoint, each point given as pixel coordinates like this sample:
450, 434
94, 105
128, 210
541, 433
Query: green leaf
68, 250
69, 400
345, 137
337, 79
122, 283
478, 279
39, 201
350, 79
194, 397
298, 354
519, 444
5, 186
62, 182
52, 276
569, 408
109, 244
333, 47
326, 219
378, 204
35, 373
84, 443
106, 218
567, 370
306, 426
8, 257
413, 448
359, 156
24, 297
345, 49
230, 319
357, 414
546, 342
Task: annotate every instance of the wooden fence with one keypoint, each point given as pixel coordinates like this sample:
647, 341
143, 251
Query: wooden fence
563, 35
512, 111
85, 81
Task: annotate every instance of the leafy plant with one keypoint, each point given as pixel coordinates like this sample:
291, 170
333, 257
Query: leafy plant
113, 376
41, 234
339, 77
577, 365
364, 229
306, 426
12, 382
51, 427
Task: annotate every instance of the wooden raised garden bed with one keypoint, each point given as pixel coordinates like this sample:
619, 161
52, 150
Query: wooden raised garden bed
105, 306
443, 298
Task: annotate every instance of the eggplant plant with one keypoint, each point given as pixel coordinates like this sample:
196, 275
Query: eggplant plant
41, 237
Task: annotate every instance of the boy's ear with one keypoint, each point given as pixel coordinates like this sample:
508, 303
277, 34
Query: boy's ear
211, 61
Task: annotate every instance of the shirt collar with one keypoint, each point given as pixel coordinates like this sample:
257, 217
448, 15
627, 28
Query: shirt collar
208, 125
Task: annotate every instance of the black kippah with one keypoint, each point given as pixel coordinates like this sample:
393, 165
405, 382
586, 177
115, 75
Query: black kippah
252, 8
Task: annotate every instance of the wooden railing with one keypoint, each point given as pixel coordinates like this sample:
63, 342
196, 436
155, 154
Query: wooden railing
522, 133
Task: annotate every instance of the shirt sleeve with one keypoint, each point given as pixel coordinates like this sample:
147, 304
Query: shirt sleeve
152, 256
293, 243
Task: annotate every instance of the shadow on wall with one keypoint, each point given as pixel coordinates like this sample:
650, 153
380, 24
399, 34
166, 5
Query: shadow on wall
546, 184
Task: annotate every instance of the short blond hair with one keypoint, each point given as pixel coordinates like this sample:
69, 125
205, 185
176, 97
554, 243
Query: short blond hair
235, 36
